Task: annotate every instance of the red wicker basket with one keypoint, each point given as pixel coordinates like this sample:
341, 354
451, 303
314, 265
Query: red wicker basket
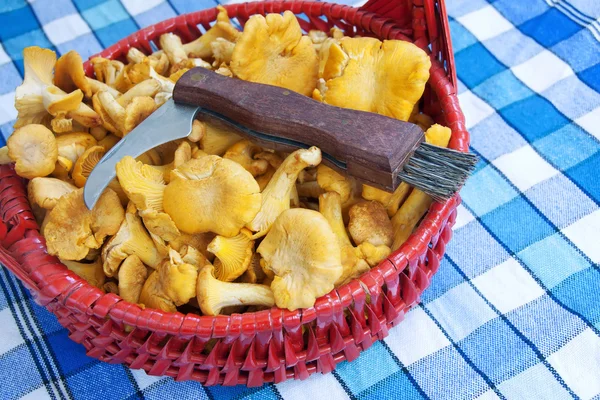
272, 345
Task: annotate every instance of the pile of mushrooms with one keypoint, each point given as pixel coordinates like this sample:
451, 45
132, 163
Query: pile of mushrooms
215, 224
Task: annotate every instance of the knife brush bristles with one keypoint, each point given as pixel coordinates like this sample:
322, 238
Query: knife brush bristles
438, 171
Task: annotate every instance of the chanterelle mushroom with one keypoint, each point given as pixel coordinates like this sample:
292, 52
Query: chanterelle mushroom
273, 51
226, 193
172, 284
91, 272
45, 192
302, 252
214, 295
201, 47
131, 238
34, 150
85, 164
218, 136
69, 74
143, 184
233, 255
121, 120
370, 223
276, 196
244, 153
365, 74
132, 275
71, 229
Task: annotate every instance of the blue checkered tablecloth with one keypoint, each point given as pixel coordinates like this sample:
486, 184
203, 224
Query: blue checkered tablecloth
514, 311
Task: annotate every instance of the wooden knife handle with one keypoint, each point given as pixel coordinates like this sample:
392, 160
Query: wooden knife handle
373, 147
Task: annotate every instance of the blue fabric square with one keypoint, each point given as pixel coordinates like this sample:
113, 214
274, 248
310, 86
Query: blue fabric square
236, 392
591, 77
553, 260
585, 174
484, 353
473, 73
512, 47
445, 279
502, 89
154, 15
573, 97
10, 5
457, 8
86, 45
104, 14
10, 28
548, 325
6, 130
9, 78
492, 138
186, 6
534, 117
567, 146
83, 5
171, 390
550, 28
17, 383
486, 190
47, 320
568, 203
461, 37
48, 11
101, 381
374, 365
113, 33
466, 250
69, 355
576, 50
528, 226
580, 293
390, 387
452, 375
520, 11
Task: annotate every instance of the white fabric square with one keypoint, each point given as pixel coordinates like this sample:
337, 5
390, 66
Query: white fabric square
524, 167
542, 71
460, 311
591, 122
7, 108
475, 109
485, 23
135, 7
584, 233
143, 379
508, 286
536, 382
66, 28
317, 387
489, 395
4, 58
9, 332
578, 363
38, 394
416, 337
463, 217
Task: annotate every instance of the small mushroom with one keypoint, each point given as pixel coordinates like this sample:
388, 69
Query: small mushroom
160, 224
146, 88
272, 50
370, 223
107, 71
214, 295
201, 47
71, 147
226, 193
71, 230
198, 241
244, 153
222, 50
143, 184
302, 252
86, 163
218, 137
33, 149
132, 275
391, 201
45, 192
122, 120
276, 196
233, 255
69, 74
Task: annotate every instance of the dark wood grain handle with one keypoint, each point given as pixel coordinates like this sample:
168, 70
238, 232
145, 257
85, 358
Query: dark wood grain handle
372, 147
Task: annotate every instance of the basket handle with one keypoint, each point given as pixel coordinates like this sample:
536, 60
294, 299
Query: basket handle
429, 20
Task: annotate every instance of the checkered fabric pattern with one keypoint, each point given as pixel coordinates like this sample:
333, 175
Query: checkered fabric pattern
514, 311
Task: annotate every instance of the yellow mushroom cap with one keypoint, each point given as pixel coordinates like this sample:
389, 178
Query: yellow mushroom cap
365, 74
86, 163
69, 74
211, 194
272, 50
233, 255
369, 222
201, 47
303, 253
132, 275
45, 192
34, 150
143, 184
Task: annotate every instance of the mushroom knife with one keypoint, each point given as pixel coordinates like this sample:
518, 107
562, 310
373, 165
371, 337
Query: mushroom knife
375, 149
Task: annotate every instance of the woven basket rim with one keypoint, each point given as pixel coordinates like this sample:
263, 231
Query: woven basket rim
159, 321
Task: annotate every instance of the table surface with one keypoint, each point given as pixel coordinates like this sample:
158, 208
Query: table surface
514, 311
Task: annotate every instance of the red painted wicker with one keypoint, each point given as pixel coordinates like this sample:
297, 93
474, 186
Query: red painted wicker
272, 345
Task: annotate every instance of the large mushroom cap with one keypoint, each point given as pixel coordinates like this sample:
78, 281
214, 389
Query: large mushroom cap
365, 74
45, 192
69, 74
303, 253
211, 194
273, 51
